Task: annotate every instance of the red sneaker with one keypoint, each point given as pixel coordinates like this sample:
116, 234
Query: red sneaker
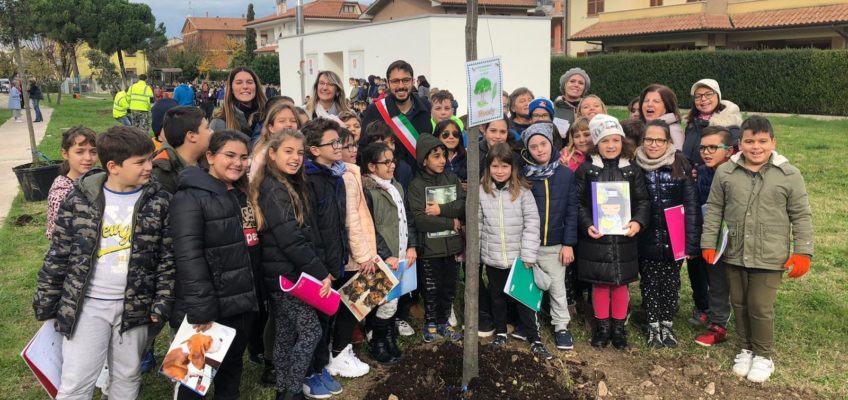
357, 337
715, 334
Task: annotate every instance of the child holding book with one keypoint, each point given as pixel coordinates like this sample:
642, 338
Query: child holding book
763, 200
556, 200
80, 154
104, 287
509, 229
669, 185
609, 262
216, 248
437, 203
286, 222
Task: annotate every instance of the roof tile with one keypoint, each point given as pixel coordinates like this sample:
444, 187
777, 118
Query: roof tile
217, 23
318, 9
645, 26
505, 3
805, 16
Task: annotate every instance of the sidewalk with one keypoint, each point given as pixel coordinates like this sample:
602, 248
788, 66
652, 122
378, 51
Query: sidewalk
16, 151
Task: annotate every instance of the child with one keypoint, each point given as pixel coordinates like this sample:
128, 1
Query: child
609, 262
105, 286
80, 155
442, 109
278, 116
353, 123
450, 134
281, 119
385, 199
580, 143
556, 200
633, 130
216, 247
591, 106
379, 132
438, 222
494, 132
280, 198
669, 185
187, 138
758, 188
716, 148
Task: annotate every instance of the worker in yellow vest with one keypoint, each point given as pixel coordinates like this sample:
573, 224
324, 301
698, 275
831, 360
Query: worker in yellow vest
120, 107
140, 98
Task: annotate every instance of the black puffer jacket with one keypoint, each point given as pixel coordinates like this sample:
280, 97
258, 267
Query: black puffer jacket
287, 248
327, 194
667, 191
214, 275
612, 259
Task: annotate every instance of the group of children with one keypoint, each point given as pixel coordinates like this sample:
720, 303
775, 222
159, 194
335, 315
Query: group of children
225, 216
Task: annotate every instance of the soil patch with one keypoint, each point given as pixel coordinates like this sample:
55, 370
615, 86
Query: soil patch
435, 372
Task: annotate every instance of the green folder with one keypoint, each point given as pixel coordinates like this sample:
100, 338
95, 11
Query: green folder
521, 286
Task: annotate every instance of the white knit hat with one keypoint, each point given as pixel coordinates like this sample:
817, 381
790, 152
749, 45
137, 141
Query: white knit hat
710, 83
603, 125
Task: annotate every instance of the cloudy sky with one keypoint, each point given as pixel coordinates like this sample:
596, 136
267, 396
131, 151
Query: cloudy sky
174, 12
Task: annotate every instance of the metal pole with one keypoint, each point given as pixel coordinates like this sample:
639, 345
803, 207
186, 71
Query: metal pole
299, 31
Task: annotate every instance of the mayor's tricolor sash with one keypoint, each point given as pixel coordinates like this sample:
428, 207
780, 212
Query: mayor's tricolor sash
401, 126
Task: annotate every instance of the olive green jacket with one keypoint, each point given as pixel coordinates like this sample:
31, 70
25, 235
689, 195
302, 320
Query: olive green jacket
767, 214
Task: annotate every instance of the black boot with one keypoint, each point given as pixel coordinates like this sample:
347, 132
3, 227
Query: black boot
269, 375
378, 346
391, 340
601, 335
619, 335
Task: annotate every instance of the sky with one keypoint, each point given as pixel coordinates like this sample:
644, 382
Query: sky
174, 12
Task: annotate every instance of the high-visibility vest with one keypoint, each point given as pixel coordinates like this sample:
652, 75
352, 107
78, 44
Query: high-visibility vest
139, 96
121, 104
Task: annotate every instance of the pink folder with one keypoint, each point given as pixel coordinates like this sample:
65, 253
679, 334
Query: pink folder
307, 288
674, 219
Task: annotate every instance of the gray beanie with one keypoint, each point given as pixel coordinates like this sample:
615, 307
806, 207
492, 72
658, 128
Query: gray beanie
573, 71
545, 129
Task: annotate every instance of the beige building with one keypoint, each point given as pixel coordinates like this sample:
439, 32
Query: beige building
657, 25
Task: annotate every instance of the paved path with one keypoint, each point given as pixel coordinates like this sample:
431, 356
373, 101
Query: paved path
16, 151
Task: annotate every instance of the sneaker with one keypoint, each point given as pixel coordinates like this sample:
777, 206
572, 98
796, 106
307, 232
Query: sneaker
699, 318
485, 333
258, 359
654, 336
667, 334
430, 332
564, 341
519, 334
500, 339
452, 318
148, 363
347, 364
329, 382
761, 369
539, 350
269, 376
742, 363
715, 334
314, 389
446, 331
403, 328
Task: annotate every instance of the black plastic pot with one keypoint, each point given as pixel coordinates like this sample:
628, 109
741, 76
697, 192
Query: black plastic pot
36, 181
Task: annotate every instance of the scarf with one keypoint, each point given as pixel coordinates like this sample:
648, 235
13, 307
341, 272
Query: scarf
402, 227
653, 164
541, 172
321, 113
338, 168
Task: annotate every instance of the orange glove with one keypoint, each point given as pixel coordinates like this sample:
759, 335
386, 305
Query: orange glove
799, 263
709, 255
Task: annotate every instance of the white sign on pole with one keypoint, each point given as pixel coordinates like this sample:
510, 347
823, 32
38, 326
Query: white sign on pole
485, 83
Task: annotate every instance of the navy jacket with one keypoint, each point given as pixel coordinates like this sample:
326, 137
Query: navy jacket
556, 199
705, 180
327, 197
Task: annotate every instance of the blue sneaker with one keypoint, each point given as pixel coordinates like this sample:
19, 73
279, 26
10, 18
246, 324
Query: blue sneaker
329, 382
564, 341
446, 331
313, 388
430, 332
518, 333
148, 362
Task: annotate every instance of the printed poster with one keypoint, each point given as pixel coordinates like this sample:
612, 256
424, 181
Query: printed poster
611, 207
194, 357
441, 195
485, 85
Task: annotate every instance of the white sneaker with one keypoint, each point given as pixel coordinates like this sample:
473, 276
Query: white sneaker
761, 369
403, 328
742, 363
347, 364
452, 318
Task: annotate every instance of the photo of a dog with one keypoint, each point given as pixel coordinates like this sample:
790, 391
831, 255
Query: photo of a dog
364, 292
194, 357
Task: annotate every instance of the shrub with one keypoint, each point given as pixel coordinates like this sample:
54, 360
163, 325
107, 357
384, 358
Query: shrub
804, 81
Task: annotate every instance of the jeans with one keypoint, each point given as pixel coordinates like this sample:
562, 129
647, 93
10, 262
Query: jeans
38, 117
125, 121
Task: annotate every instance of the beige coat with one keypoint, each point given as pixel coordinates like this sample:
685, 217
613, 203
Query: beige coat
358, 222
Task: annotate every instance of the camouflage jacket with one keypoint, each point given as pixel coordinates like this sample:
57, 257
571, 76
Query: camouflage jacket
70, 261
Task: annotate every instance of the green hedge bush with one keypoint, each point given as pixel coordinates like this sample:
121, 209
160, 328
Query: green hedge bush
803, 81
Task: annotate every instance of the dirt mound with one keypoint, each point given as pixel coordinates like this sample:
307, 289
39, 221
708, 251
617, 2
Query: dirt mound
435, 372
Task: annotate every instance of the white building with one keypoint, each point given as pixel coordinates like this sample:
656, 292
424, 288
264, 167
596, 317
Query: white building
433, 44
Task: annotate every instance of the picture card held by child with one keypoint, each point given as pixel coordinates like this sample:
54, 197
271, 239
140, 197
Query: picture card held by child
43, 355
611, 207
194, 357
364, 292
441, 195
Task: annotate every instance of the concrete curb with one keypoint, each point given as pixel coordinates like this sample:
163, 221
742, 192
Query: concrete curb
16, 151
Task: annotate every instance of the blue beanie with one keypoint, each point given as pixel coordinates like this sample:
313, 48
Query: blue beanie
543, 103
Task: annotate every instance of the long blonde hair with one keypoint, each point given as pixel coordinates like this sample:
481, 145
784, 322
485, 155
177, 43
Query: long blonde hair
579, 110
271, 171
271, 113
503, 153
339, 98
228, 109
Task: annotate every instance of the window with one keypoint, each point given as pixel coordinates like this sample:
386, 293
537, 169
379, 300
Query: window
349, 9
595, 7
656, 3
129, 54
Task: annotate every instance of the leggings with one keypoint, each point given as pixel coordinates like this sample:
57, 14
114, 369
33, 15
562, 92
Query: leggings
439, 287
605, 297
660, 286
297, 334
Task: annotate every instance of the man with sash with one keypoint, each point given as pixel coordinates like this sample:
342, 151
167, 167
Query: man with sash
405, 113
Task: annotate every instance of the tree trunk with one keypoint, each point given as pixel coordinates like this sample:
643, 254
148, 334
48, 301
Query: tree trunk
123, 70
470, 356
74, 64
25, 94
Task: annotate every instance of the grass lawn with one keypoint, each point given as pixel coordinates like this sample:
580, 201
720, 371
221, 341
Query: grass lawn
811, 339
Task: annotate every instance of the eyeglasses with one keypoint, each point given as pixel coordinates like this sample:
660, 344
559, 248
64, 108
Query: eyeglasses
652, 141
405, 81
711, 148
447, 134
325, 84
336, 144
352, 147
386, 162
544, 116
707, 95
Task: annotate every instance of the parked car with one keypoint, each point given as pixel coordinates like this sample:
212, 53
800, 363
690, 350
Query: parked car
5, 86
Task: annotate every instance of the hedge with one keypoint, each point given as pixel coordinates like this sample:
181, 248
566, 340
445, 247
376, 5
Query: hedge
803, 81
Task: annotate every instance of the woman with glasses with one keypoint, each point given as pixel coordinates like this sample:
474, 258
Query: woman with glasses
327, 96
708, 109
450, 135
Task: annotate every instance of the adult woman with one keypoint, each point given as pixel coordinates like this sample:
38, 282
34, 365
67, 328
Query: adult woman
243, 102
708, 110
35, 97
423, 87
519, 109
15, 97
573, 84
206, 100
327, 96
659, 102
